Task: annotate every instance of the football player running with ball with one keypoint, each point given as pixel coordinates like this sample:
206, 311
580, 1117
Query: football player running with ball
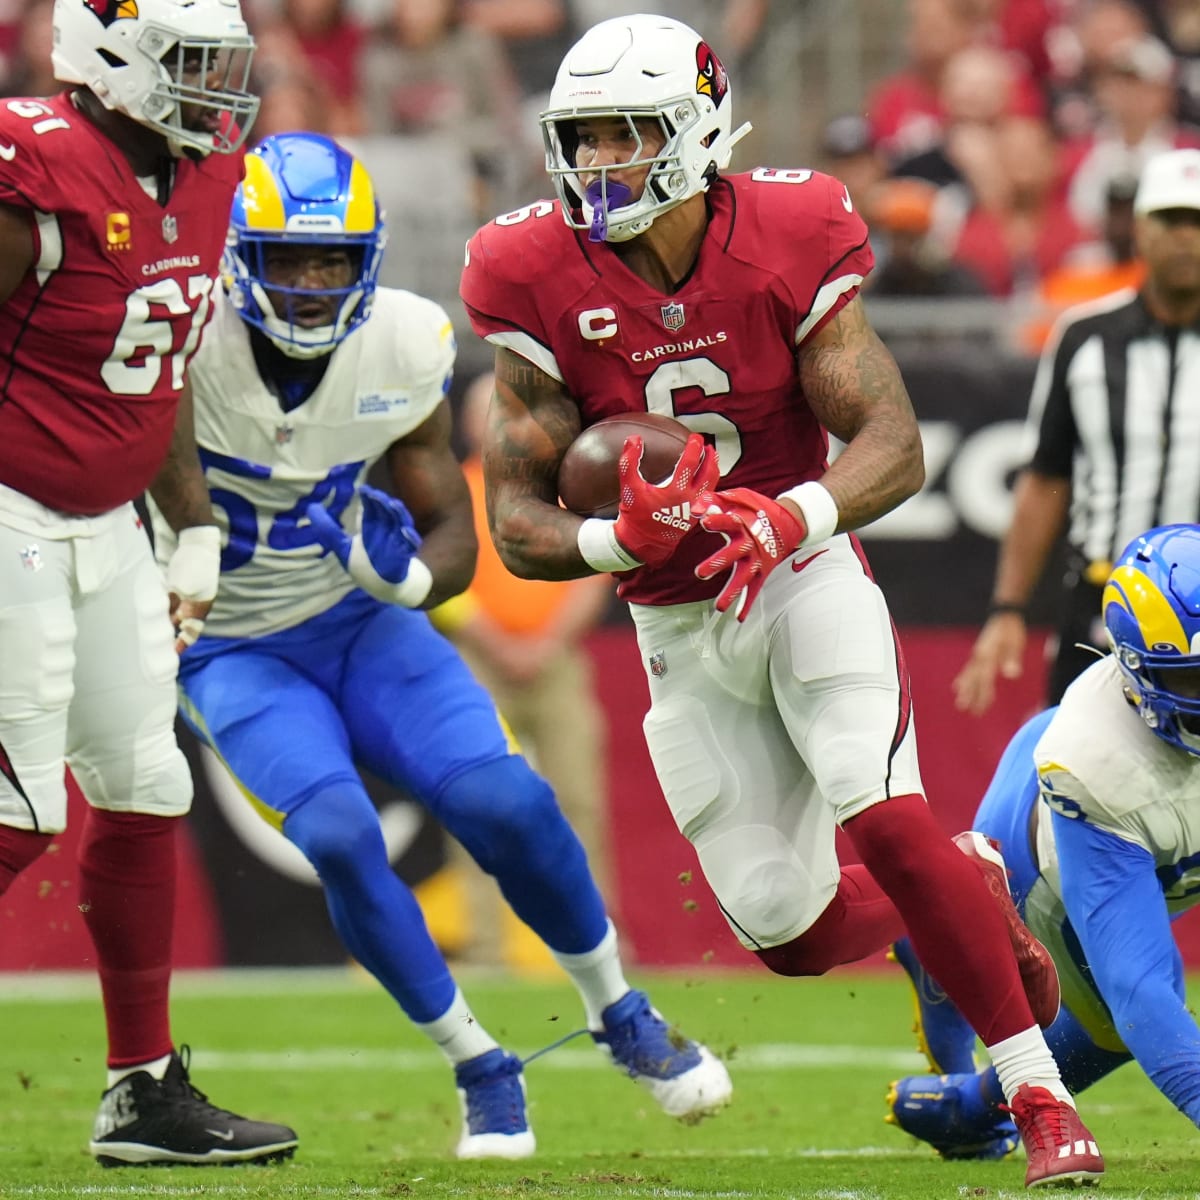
317, 656
113, 197
779, 698
1095, 804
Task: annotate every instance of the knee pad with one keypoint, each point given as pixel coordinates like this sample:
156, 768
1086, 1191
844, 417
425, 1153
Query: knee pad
503, 809
338, 830
765, 889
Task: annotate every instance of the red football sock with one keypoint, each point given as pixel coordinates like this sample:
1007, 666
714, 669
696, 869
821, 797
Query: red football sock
18, 848
859, 920
127, 894
957, 930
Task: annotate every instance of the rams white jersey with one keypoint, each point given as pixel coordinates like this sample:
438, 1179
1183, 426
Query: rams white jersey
1098, 759
265, 466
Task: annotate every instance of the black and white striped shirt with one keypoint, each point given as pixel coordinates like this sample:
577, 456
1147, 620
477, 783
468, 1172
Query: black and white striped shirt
1116, 410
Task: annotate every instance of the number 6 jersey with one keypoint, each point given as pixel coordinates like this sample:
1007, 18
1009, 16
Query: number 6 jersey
783, 252
95, 340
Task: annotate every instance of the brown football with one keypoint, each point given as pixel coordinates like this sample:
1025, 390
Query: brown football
588, 482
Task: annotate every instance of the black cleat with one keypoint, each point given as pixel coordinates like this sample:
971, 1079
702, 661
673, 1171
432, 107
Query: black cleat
144, 1121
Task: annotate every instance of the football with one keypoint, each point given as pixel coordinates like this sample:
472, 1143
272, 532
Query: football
588, 483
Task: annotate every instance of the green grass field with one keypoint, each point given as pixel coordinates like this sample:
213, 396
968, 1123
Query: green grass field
377, 1114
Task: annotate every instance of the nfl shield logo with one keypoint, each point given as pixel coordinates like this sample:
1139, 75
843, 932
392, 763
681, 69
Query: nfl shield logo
31, 558
170, 229
672, 316
658, 664
283, 434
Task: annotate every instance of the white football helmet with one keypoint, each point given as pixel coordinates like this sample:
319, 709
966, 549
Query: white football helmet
649, 67
149, 58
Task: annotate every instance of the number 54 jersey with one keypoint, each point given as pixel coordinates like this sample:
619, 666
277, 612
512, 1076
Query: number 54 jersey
265, 466
783, 252
95, 341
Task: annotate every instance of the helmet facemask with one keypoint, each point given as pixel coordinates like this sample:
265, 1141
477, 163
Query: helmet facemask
640, 68
608, 211
179, 67
272, 307
303, 191
228, 107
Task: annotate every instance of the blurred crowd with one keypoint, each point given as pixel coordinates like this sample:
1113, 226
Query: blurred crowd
994, 155
1001, 159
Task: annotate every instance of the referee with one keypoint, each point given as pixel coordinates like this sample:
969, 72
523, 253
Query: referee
1114, 420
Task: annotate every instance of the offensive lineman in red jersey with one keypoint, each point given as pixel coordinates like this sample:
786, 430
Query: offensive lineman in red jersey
779, 702
114, 203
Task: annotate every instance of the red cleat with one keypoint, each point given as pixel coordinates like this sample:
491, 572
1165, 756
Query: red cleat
1038, 972
1060, 1150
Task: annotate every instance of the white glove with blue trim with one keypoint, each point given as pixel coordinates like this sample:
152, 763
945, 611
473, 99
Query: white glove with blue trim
382, 556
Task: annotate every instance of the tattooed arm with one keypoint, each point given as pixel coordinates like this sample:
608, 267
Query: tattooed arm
531, 422
853, 386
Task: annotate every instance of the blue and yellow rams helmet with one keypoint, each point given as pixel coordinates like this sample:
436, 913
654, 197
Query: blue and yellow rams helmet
1151, 608
302, 189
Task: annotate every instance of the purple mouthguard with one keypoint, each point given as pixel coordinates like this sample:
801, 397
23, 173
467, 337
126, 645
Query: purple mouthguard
603, 200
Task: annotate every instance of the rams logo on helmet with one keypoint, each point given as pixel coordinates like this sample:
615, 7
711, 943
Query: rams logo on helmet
711, 80
112, 10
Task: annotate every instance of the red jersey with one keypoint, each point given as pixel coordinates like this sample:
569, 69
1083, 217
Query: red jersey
95, 340
783, 252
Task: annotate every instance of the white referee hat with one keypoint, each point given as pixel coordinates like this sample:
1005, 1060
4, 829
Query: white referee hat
1170, 180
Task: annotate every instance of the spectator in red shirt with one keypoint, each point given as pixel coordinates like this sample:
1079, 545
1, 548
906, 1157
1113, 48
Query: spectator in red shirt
906, 110
1019, 228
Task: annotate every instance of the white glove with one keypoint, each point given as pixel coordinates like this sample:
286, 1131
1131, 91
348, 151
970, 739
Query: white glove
193, 572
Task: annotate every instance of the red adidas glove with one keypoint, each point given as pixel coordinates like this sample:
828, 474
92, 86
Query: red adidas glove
654, 519
759, 534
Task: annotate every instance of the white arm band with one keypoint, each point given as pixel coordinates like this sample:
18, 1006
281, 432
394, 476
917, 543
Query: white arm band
194, 567
819, 509
601, 551
410, 592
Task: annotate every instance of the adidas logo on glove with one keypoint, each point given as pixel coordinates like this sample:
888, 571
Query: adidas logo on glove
678, 517
764, 533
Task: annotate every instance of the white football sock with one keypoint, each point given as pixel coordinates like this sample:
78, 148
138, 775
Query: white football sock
457, 1033
157, 1068
598, 976
1025, 1058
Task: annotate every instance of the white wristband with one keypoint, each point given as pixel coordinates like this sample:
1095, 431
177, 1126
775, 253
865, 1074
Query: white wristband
410, 592
819, 509
194, 567
597, 540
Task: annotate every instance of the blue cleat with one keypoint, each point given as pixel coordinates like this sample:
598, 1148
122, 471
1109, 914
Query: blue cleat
944, 1035
951, 1113
686, 1078
492, 1091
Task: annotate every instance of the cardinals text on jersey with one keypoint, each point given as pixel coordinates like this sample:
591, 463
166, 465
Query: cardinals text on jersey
97, 338
782, 254
264, 466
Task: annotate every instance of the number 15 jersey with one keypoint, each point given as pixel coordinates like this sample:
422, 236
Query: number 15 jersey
783, 252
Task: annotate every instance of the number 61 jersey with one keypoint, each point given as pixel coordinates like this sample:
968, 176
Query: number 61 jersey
265, 466
95, 341
783, 252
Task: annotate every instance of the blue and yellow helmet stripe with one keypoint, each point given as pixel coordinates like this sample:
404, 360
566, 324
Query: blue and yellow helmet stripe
1153, 613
